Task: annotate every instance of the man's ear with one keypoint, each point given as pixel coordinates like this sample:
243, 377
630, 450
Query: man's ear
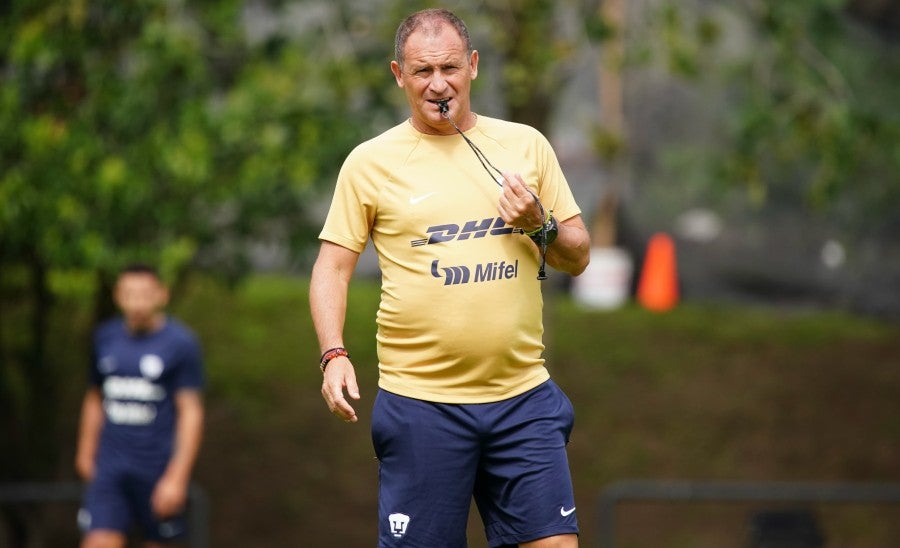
398, 73
473, 62
164, 296
117, 296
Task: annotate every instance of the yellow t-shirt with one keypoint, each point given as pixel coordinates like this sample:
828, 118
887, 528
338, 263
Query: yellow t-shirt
460, 313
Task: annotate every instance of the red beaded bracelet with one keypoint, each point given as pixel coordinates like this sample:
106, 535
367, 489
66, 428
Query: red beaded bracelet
332, 354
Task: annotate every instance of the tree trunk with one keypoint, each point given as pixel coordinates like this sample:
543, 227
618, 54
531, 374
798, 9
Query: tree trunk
41, 434
612, 116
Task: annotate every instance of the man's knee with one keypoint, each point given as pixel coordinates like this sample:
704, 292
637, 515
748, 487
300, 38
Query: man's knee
557, 541
102, 538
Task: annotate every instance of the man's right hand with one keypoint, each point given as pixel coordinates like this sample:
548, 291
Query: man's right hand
340, 376
84, 466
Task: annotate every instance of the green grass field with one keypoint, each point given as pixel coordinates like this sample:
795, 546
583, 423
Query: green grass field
704, 392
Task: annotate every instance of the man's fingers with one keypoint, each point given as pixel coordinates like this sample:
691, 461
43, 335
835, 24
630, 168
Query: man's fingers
339, 406
344, 410
517, 205
514, 183
352, 388
333, 392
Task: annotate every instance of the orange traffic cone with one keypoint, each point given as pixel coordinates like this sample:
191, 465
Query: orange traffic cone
658, 287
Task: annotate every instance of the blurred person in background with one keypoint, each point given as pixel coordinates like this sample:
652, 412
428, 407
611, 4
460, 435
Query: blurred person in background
141, 419
465, 405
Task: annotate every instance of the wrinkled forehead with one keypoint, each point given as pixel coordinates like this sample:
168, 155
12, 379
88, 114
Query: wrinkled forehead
435, 46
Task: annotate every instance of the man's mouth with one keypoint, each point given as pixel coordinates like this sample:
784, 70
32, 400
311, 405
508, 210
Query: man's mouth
442, 104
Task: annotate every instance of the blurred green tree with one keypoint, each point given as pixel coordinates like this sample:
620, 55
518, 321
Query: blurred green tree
165, 132
812, 116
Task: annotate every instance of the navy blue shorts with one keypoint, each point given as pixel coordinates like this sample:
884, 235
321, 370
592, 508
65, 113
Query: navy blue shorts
510, 455
118, 499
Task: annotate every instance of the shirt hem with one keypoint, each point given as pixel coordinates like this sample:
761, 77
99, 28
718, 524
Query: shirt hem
449, 397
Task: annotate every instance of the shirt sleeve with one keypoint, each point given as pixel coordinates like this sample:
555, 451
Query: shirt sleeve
352, 212
190, 372
95, 379
100, 335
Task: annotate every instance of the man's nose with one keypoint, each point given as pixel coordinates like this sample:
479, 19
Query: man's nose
438, 82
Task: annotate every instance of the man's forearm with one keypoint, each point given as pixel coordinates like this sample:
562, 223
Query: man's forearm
188, 435
328, 288
570, 252
89, 427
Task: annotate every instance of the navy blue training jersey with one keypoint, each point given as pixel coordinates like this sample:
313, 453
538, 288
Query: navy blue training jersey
138, 375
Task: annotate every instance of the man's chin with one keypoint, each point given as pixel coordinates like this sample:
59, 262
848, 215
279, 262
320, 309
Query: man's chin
140, 324
434, 125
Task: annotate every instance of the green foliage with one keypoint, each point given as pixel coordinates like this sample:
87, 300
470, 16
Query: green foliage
181, 133
153, 130
538, 51
809, 121
159, 132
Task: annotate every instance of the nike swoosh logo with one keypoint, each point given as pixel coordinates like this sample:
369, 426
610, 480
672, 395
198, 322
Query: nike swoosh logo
169, 530
564, 512
413, 200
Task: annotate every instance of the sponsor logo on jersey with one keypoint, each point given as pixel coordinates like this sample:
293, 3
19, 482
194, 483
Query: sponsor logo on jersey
486, 272
139, 393
130, 412
479, 228
132, 388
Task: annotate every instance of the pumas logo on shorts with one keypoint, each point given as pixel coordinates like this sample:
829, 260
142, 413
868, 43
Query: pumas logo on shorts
398, 523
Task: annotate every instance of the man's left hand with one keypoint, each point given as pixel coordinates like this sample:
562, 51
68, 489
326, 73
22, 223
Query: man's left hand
169, 497
518, 206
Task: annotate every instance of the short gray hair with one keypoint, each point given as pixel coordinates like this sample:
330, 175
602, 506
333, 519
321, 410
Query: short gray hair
431, 21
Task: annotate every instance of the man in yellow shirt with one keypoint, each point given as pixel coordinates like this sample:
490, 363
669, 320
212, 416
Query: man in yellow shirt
465, 405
